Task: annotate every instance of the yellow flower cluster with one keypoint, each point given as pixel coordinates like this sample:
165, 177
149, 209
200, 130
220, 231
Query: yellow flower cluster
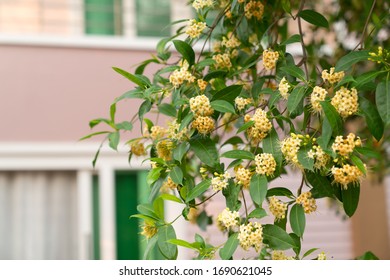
345, 101
164, 149
344, 147
200, 106
255, 9
265, 164
290, 147
178, 77
149, 230
220, 181
321, 256
157, 132
242, 102
204, 125
174, 133
202, 84
243, 177
168, 185
200, 4
280, 256
261, 127
222, 60
228, 219
269, 59
308, 203
137, 148
251, 235
331, 76
382, 56
346, 174
283, 88
277, 208
316, 96
230, 41
321, 159
195, 28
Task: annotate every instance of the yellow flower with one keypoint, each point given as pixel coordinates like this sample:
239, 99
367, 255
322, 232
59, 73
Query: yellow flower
164, 149
204, 125
220, 181
251, 235
332, 77
228, 219
316, 96
200, 4
344, 147
243, 177
346, 101
277, 208
195, 28
254, 9
242, 102
308, 203
284, 88
290, 147
265, 164
261, 127
178, 77
280, 256
269, 59
157, 132
138, 148
222, 60
149, 230
200, 106
346, 175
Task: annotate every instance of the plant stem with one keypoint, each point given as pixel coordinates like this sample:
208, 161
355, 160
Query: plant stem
304, 58
363, 38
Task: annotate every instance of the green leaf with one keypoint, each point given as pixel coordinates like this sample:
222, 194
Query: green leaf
333, 117
258, 213
286, 6
350, 199
350, 59
171, 197
324, 139
125, 125
297, 219
277, 238
373, 119
198, 190
137, 79
94, 134
144, 217
227, 251
296, 38
215, 74
258, 188
382, 97
223, 106
176, 175
359, 163
167, 109
235, 163
147, 210
228, 94
186, 121
180, 151
233, 141
321, 185
295, 99
231, 194
150, 248
245, 126
205, 150
368, 256
365, 79
135, 93
279, 192
294, 71
308, 252
143, 109
303, 158
113, 140
185, 50
182, 243
95, 122
153, 175
158, 206
168, 250
271, 145
297, 241
314, 18
368, 152
238, 154
141, 68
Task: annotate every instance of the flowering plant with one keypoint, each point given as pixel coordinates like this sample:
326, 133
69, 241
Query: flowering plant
248, 110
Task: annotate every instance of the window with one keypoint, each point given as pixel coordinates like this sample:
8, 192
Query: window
103, 17
153, 18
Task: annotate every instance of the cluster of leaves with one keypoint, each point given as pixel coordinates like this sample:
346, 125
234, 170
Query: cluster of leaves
185, 160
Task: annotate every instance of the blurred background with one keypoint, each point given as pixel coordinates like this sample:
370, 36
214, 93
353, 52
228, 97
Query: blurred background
55, 76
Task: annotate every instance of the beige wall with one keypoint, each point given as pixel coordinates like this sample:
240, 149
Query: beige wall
50, 94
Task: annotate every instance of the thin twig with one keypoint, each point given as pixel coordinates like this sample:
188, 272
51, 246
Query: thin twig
200, 203
304, 59
363, 38
301, 186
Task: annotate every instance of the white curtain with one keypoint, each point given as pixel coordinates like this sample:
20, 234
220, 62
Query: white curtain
38, 215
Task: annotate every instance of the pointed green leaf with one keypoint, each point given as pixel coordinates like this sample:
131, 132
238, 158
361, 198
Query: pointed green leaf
186, 121
238, 154
373, 119
350, 59
324, 139
147, 210
205, 150
295, 100
182, 243
365, 78
143, 109
296, 38
258, 213
382, 97
153, 175
198, 190
304, 160
176, 175
167, 196
125, 125
314, 18
168, 250
258, 188
297, 219
227, 251
294, 71
113, 140
233, 141
180, 151
277, 238
94, 134
228, 94
149, 248
167, 109
350, 199
215, 74
271, 145
185, 50
359, 163
222, 106
279, 192
308, 252
333, 117
231, 194
245, 126
137, 79
322, 187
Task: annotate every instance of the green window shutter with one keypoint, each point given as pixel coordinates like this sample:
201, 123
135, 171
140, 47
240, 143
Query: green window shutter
153, 18
103, 17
